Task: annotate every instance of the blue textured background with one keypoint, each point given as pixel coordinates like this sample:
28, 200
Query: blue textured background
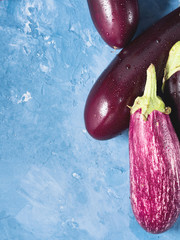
56, 182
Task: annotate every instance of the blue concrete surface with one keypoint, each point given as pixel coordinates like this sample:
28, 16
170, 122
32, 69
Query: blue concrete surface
56, 182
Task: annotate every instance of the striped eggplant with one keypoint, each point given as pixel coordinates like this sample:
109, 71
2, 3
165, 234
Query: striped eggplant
154, 154
171, 85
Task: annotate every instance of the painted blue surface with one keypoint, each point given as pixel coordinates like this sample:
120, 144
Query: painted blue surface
56, 182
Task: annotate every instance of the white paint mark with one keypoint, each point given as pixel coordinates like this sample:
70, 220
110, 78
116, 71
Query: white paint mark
13, 45
76, 175
46, 37
86, 36
25, 97
44, 68
51, 42
112, 193
27, 28
27, 7
67, 65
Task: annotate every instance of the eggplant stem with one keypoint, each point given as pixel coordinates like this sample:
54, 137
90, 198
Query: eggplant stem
149, 101
173, 63
150, 87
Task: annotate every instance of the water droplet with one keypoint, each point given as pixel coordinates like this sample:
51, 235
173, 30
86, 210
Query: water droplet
158, 41
102, 30
124, 52
107, 34
128, 66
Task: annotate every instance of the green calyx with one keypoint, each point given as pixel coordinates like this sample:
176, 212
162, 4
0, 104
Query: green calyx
173, 63
149, 101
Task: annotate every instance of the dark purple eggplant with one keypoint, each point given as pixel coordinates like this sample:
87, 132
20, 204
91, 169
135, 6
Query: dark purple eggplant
171, 85
106, 113
154, 154
115, 20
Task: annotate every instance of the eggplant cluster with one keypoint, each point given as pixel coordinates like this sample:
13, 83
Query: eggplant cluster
124, 79
145, 78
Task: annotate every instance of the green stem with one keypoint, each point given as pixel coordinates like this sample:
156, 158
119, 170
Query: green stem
151, 85
173, 63
150, 101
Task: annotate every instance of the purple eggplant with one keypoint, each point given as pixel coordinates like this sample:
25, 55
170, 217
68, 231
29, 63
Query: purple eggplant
106, 114
115, 20
154, 154
171, 85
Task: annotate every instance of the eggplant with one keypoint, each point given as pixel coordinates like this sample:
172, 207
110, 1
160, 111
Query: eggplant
106, 114
115, 20
154, 155
171, 85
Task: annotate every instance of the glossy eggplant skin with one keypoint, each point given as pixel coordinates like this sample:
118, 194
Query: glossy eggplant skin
154, 171
106, 113
115, 20
172, 98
